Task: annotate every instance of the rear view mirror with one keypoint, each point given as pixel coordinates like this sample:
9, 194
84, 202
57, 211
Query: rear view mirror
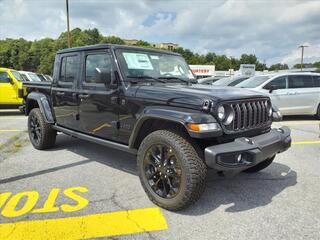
103, 75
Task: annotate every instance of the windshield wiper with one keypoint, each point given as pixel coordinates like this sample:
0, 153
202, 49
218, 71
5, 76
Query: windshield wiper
180, 79
146, 77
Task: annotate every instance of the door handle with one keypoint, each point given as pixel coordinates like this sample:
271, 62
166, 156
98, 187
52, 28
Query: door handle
59, 93
84, 96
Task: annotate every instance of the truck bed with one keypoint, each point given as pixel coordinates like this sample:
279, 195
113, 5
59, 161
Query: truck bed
37, 84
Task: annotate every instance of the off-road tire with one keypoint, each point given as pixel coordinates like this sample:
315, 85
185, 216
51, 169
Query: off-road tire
48, 135
193, 168
260, 166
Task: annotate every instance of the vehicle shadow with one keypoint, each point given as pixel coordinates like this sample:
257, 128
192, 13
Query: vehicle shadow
298, 118
6, 112
91, 151
242, 192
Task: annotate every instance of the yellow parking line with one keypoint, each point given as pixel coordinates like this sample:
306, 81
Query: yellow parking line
11, 130
305, 142
89, 226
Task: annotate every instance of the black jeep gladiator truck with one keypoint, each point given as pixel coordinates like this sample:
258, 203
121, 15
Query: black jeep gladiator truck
147, 102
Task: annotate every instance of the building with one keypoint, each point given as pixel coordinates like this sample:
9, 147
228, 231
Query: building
167, 46
203, 70
131, 41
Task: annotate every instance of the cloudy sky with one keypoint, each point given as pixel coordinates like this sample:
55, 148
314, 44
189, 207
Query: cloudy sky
271, 29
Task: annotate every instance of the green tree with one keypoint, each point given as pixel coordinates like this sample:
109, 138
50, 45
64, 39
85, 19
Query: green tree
278, 66
142, 43
112, 40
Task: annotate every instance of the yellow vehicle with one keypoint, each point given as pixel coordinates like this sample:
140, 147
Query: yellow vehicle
11, 90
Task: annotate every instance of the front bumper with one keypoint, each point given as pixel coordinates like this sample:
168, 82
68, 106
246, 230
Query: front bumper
244, 152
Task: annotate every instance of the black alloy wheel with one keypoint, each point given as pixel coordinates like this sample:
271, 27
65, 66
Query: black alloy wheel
35, 129
162, 171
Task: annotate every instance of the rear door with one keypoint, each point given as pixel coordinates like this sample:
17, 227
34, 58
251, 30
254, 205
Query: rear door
98, 104
8, 90
304, 95
316, 81
64, 87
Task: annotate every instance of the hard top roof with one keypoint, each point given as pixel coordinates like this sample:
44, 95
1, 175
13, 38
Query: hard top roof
114, 46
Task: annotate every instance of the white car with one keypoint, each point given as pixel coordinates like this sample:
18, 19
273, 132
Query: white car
293, 93
29, 76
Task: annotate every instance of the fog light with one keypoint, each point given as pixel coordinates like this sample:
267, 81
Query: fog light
239, 158
221, 112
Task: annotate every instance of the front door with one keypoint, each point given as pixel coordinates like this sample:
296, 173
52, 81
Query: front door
8, 90
279, 96
65, 102
98, 103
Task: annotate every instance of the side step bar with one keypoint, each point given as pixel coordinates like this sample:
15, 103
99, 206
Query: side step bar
100, 141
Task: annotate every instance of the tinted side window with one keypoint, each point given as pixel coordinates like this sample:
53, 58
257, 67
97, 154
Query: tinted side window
300, 81
4, 77
279, 82
236, 82
68, 69
96, 63
316, 81
24, 77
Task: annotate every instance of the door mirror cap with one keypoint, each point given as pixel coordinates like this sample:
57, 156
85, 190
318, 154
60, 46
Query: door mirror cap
103, 75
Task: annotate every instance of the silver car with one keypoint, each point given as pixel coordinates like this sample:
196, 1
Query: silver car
292, 93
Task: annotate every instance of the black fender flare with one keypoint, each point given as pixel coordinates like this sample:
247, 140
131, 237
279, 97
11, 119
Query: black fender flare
43, 103
176, 115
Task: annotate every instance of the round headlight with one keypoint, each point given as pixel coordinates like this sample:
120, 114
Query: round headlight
221, 112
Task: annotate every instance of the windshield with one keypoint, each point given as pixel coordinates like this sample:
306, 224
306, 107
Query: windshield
222, 81
34, 77
253, 81
41, 77
17, 75
144, 65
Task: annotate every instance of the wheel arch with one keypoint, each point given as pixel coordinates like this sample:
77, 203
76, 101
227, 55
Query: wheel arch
39, 100
153, 119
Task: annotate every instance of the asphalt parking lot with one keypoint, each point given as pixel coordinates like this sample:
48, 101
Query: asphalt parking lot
78, 180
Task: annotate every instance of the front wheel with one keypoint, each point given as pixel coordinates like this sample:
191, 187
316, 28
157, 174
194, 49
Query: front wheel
41, 134
260, 166
170, 170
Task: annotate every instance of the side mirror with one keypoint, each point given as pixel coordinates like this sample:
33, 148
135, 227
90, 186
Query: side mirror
103, 75
272, 88
10, 80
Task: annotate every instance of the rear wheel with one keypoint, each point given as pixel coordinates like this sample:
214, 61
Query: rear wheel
260, 166
170, 170
41, 134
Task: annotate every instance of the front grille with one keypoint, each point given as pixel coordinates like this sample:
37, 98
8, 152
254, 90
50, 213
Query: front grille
249, 114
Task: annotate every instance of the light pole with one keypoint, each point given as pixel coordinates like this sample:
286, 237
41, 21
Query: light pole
68, 24
302, 51
230, 65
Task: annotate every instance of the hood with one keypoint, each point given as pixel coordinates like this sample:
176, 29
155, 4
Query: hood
193, 95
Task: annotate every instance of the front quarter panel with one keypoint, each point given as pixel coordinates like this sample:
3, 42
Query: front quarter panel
176, 115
